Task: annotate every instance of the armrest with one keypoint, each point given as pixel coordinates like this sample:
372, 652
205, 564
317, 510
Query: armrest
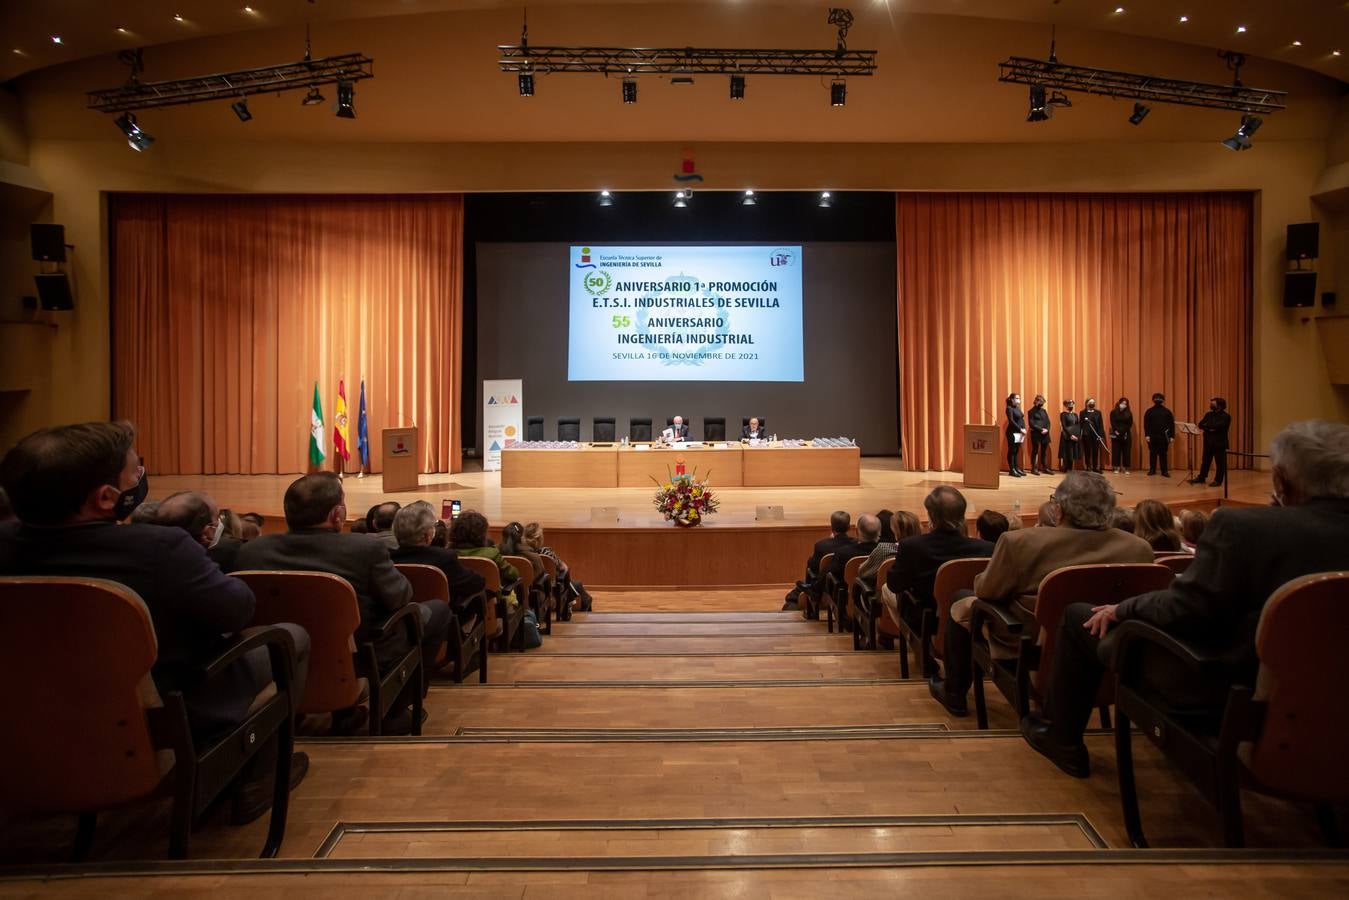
278, 643
1133, 635
408, 616
477, 603
1003, 620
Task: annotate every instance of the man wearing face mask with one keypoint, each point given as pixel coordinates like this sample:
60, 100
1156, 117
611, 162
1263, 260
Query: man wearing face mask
1039, 438
70, 487
199, 516
1215, 424
1159, 427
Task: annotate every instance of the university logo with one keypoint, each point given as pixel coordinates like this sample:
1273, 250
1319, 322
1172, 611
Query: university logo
782, 257
585, 262
597, 283
503, 400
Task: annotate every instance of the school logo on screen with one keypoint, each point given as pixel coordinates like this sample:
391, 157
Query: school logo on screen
597, 283
782, 257
585, 262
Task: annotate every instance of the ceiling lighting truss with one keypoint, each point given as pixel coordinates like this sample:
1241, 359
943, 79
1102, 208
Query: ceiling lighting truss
1148, 88
302, 75
685, 61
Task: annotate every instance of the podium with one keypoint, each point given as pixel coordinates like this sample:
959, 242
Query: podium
983, 463
402, 459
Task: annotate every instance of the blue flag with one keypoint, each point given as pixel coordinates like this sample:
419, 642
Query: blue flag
363, 432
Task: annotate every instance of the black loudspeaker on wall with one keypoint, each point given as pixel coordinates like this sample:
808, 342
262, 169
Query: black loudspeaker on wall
1304, 240
49, 243
53, 291
1299, 288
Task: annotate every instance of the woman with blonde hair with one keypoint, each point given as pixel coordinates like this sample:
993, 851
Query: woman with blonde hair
572, 591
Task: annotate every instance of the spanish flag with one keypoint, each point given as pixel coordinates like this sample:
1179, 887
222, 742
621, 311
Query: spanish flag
340, 451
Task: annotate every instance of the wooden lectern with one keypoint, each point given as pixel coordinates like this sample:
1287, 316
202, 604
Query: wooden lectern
983, 462
402, 459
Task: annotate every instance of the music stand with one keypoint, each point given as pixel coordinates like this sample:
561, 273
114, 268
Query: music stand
1191, 429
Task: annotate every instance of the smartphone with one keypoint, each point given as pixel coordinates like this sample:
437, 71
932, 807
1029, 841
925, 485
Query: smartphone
454, 509
447, 509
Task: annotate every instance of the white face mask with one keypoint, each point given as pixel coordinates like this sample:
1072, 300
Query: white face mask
1124, 406
219, 532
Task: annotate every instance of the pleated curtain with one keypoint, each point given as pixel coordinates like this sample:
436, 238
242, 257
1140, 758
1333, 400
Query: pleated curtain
226, 310
1070, 296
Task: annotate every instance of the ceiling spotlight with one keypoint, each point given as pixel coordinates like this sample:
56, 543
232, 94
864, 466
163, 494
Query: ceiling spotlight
681, 199
1297, 43
346, 96
1119, 10
177, 17
136, 139
1242, 139
838, 93
56, 39
826, 200
737, 87
1335, 53
248, 10
606, 199
240, 108
526, 84
1241, 29
1039, 108
1140, 113
122, 30
313, 98
1184, 19
629, 91
749, 199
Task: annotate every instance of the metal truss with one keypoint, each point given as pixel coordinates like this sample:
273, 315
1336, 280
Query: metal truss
138, 95
1051, 74
685, 61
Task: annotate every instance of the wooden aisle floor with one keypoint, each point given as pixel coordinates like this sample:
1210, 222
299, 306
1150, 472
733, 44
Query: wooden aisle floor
776, 747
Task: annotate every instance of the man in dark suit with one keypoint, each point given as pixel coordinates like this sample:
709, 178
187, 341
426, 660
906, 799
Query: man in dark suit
868, 534
1215, 424
753, 431
198, 515
315, 513
676, 430
415, 528
1243, 556
1159, 427
839, 523
919, 558
379, 522
70, 486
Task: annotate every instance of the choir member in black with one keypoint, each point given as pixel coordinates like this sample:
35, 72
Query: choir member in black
1214, 425
1039, 437
1016, 435
1093, 436
1070, 436
1159, 427
1121, 435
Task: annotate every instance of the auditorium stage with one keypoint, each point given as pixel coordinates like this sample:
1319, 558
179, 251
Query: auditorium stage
642, 550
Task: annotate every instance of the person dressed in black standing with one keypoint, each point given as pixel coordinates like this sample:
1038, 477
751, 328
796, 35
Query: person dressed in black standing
1016, 435
1070, 436
1121, 435
1093, 436
1039, 437
1215, 424
1159, 427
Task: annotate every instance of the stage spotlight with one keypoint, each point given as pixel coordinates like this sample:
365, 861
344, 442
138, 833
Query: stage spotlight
629, 91
313, 98
1242, 139
526, 84
737, 87
749, 199
138, 140
826, 201
681, 200
1039, 107
1140, 113
240, 108
346, 96
606, 199
838, 93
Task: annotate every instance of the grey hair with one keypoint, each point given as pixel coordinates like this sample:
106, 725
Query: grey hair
868, 527
1314, 457
946, 509
1086, 499
412, 522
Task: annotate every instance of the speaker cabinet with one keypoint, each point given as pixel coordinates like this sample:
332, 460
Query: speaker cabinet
1299, 289
1304, 240
49, 242
53, 291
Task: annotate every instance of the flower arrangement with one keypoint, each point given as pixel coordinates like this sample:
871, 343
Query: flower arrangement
683, 499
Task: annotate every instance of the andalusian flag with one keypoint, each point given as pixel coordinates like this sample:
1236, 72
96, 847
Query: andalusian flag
362, 432
340, 423
316, 454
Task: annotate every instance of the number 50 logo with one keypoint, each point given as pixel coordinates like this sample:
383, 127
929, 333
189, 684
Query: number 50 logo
598, 283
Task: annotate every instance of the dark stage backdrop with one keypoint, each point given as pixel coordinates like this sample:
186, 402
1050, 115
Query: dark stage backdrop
517, 291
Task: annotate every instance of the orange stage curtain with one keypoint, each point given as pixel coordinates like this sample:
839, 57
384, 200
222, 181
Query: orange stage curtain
227, 309
1070, 296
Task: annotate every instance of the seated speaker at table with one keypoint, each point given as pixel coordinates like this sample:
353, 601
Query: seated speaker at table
676, 430
753, 430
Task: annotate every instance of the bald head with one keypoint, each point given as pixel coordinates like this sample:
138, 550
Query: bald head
868, 527
194, 512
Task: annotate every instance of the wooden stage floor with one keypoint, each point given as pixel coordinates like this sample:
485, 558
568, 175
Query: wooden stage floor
885, 484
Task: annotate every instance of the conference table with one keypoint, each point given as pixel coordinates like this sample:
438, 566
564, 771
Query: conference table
725, 464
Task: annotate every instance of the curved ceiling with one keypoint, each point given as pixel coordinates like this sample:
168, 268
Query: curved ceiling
1313, 34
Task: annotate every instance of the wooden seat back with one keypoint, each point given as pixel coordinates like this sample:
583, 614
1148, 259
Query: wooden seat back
549, 567
325, 606
526, 570
1098, 585
428, 582
1176, 562
954, 575
884, 624
1304, 738
77, 659
484, 567
850, 570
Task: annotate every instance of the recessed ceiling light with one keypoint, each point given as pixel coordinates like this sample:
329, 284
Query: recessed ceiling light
248, 10
1334, 53
1297, 43
177, 17
56, 39
1184, 19
1241, 29
18, 52
122, 30
1119, 10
